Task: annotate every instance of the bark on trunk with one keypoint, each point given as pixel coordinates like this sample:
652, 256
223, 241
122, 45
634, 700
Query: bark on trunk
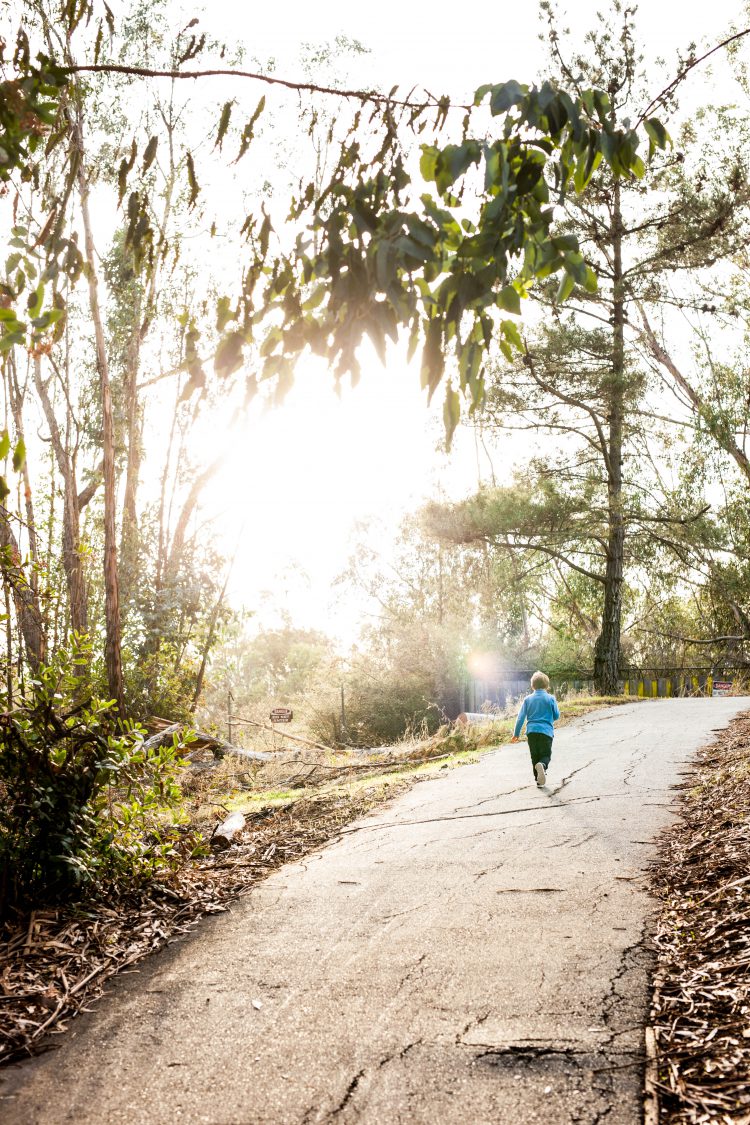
71, 541
30, 619
129, 537
608, 644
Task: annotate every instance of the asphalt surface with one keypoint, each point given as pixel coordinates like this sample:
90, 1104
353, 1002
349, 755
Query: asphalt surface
476, 952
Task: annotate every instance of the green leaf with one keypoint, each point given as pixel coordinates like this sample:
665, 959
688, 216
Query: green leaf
509, 328
249, 131
226, 114
433, 360
4, 445
565, 288
10, 340
194, 185
229, 355
451, 412
452, 162
126, 166
150, 153
224, 313
48, 318
35, 301
428, 162
657, 133
638, 168
506, 95
509, 299
19, 455
4, 490
575, 265
315, 298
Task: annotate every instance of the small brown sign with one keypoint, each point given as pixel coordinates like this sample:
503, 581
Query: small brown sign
282, 715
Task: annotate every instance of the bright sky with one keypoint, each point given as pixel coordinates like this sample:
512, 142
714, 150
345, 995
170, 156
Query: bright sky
307, 472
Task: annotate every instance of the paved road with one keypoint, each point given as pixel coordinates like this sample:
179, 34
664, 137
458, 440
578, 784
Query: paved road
473, 953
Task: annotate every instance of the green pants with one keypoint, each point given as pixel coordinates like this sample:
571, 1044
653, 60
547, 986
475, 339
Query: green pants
540, 748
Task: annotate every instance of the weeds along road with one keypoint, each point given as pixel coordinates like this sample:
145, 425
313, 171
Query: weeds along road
473, 953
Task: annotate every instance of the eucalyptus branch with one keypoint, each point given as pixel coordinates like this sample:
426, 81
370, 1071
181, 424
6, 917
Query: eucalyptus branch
301, 87
661, 98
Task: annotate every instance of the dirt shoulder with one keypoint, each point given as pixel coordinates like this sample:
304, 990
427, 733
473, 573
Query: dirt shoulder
701, 1004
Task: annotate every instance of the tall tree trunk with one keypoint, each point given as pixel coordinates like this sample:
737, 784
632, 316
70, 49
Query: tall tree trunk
72, 558
26, 602
16, 397
608, 645
112, 644
129, 532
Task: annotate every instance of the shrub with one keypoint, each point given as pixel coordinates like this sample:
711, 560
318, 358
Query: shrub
381, 706
83, 797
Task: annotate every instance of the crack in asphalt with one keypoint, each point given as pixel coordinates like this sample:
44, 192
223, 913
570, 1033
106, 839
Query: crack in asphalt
476, 1021
353, 1087
629, 960
410, 972
476, 816
400, 914
636, 759
570, 777
530, 891
497, 832
494, 797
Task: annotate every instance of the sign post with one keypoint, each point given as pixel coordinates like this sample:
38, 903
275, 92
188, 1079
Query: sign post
280, 715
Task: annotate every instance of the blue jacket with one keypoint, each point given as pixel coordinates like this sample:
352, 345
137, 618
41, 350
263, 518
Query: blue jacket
539, 710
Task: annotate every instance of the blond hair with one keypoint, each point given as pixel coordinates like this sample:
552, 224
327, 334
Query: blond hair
539, 680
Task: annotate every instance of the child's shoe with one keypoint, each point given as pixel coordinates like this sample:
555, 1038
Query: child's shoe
541, 776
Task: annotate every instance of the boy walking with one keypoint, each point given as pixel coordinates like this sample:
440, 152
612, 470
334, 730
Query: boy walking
539, 711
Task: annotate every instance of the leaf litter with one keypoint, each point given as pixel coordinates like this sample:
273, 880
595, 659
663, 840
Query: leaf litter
701, 997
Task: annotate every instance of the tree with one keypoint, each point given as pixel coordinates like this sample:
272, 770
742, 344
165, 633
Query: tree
373, 258
582, 381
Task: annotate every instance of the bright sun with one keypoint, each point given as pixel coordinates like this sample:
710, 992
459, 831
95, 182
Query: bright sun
303, 474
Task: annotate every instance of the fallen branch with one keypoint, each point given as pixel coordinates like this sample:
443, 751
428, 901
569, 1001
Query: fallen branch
227, 830
284, 734
201, 740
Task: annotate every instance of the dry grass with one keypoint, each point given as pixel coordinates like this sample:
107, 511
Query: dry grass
294, 773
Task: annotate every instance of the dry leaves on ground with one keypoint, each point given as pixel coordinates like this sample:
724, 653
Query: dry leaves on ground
701, 1006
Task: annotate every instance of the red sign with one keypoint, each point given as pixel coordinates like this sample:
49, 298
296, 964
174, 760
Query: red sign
281, 715
722, 687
